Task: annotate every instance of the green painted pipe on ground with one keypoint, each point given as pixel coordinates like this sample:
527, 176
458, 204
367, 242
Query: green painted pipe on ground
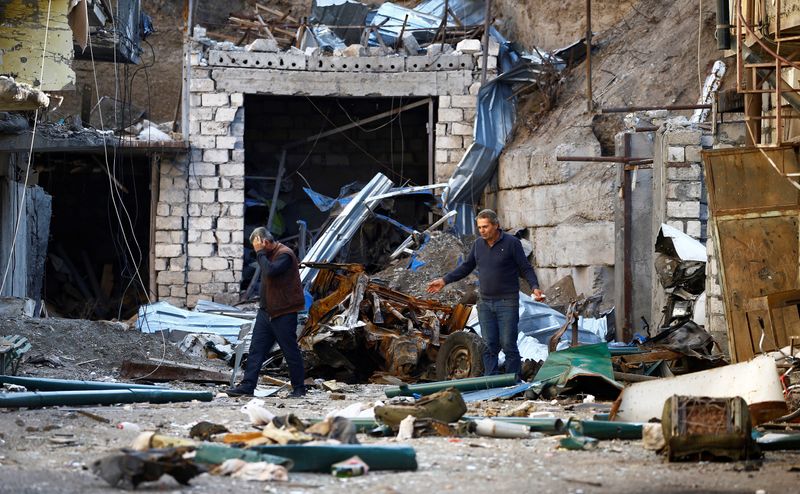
33, 399
468, 384
319, 458
601, 429
546, 425
777, 442
214, 454
43, 384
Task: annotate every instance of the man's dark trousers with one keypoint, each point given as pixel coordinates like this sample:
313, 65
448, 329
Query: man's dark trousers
266, 332
499, 320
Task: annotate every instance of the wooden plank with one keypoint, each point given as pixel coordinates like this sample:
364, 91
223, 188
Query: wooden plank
759, 257
172, 371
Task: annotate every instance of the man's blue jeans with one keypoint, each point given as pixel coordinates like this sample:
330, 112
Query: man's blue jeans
266, 331
499, 319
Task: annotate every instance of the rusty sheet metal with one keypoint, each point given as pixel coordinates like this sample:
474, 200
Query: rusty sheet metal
755, 213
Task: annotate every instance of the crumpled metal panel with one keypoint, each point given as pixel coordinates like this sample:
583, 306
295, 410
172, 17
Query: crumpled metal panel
343, 227
340, 13
162, 316
469, 12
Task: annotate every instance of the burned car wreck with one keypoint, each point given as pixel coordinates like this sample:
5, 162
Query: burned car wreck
359, 329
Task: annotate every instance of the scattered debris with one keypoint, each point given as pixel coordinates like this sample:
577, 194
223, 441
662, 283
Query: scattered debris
700, 429
757, 381
131, 468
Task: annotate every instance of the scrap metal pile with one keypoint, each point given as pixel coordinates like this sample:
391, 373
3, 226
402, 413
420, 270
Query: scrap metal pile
358, 328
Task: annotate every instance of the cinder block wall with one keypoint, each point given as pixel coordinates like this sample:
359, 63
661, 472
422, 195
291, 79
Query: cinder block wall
679, 192
204, 196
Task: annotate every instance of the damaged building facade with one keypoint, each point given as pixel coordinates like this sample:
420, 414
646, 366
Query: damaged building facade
246, 105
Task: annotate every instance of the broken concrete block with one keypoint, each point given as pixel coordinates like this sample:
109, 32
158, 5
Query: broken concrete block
439, 49
380, 51
469, 46
263, 45
410, 44
355, 51
494, 48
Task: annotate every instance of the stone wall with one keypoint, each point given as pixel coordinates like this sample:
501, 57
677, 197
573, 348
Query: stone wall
567, 208
205, 197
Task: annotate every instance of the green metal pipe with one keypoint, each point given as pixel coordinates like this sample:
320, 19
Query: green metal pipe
777, 442
546, 425
214, 454
319, 458
600, 429
42, 384
468, 384
34, 399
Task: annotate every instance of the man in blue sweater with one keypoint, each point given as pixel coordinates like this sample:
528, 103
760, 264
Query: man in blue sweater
500, 261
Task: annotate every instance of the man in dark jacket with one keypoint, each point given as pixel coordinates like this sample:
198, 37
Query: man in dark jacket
281, 299
500, 261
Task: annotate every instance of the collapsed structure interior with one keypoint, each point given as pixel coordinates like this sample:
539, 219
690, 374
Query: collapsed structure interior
322, 160
89, 272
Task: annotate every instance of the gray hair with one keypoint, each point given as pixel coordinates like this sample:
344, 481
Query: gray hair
489, 215
262, 233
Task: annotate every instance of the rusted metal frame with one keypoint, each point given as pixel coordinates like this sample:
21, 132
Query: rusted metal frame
630, 109
485, 42
627, 242
357, 123
273, 207
155, 178
571, 321
442, 31
778, 97
322, 307
589, 101
399, 40
645, 358
163, 371
604, 159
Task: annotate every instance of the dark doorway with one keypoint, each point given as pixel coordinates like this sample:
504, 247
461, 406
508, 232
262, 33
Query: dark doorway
98, 254
335, 165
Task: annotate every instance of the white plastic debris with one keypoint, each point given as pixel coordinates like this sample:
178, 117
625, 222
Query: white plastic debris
589, 399
257, 413
406, 431
653, 437
258, 471
356, 410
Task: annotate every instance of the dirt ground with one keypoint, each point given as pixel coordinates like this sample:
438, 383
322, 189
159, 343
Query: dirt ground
32, 462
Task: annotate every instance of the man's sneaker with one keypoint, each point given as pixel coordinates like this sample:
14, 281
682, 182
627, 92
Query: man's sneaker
238, 391
297, 392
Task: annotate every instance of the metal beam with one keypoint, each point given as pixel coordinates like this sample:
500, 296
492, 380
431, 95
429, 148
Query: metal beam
357, 123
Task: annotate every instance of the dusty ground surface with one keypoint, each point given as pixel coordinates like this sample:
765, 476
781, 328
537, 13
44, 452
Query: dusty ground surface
31, 462
81, 349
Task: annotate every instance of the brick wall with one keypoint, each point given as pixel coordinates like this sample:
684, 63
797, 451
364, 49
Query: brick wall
199, 232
